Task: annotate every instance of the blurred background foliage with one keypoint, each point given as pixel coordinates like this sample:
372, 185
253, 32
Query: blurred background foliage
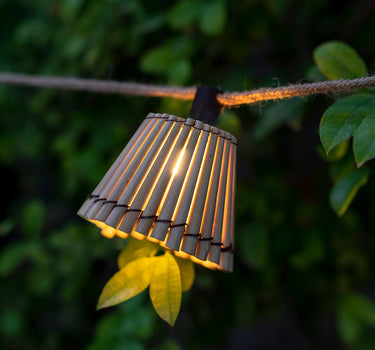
303, 278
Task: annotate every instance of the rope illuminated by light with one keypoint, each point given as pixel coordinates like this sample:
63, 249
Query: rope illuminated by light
226, 99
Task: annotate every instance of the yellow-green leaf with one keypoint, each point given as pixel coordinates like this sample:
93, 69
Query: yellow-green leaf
187, 273
128, 282
134, 250
165, 288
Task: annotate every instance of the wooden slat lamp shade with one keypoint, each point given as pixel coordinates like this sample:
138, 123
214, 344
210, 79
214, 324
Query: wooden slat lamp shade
173, 184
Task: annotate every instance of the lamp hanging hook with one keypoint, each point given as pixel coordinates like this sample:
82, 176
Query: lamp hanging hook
205, 106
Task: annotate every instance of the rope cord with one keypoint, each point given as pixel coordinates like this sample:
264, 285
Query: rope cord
226, 99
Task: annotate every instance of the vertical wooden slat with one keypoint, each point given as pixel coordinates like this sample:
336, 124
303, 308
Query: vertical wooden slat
230, 268
217, 228
154, 163
146, 220
226, 237
111, 195
143, 196
180, 220
122, 169
99, 188
196, 211
164, 219
209, 210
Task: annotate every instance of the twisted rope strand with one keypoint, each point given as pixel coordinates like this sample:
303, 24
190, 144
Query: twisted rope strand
226, 99
101, 86
248, 97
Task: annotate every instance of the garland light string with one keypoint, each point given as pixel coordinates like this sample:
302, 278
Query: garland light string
174, 182
225, 99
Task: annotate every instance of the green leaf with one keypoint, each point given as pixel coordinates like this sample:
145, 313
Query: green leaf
337, 153
276, 115
187, 273
11, 257
183, 13
340, 121
337, 60
128, 282
360, 307
213, 17
179, 71
157, 60
312, 251
6, 227
313, 73
341, 168
230, 122
344, 191
348, 327
165, 288
182, 47
33, 218
355, 311
136, 249
364, 141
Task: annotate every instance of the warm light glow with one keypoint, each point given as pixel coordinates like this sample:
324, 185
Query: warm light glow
138, 235
162, 167
108, 232
155, 156
174, 186
199, 176
121, 234
178, 163
98, 223
143, 137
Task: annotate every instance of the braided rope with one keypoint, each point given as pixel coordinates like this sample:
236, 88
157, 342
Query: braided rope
248, 97
226, 99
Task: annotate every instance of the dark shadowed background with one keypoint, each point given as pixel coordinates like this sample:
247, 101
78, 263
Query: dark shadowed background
303, 278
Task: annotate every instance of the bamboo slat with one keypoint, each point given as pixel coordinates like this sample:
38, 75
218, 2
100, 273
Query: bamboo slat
110, 173
216, 242
114, 181
180, 172
151, 177
116, 209
204, 243
111, 196
230, 268
146, 220
190, 240
226, 239
182, 210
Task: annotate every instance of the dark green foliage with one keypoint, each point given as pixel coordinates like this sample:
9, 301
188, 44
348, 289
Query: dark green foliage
303, 277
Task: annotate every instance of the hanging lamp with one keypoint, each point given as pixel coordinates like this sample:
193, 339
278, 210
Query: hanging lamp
174, 185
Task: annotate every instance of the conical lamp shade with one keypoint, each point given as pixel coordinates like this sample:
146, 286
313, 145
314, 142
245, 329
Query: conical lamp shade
173, 184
